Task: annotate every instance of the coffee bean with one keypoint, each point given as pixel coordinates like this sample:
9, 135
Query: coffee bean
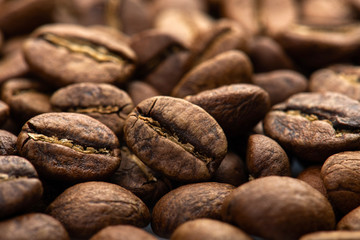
86, 208
332, 235
63, 54
122, 232
188, 202
33, 226
69, 147
314, 126
210, 229
20, 187
13, 65
140, 91
104, 102
350, 221
277, 207
7, 143
232, 170
4, 112
312, 176
176, 138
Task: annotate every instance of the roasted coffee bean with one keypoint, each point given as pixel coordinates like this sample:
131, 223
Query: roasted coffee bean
138, 178
236, 107
18, 17
341, 179
281, 84
104, 102
140, 91
26, 98
122, 232
277, 207
188, 202
208, 229
185, 25
7, 143
189, 5
4, 112
227, 68
337, 78
350, 221
20, 187
86, 208
267, 55
314, 126
332, 235
13, 65
312, 176
265, 157
161, 59
63, 54
69, 147
33, 226
232, 170
176, 138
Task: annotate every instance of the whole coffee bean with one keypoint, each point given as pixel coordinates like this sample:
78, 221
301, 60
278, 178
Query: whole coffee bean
208, 229
265, 157
341, 179
232, 170
267, 55
281, 84
236, 107
20, 187
312, 176
162, 128
277, 207
33, 226
7, 143
138, 178
86, 208
140, 91
69, 147
224, 69
13, 65
314, 126
122, 232
188, 202
26, 98
337, 78
104, 102
332, 235
63, 54
350, 221
161, 59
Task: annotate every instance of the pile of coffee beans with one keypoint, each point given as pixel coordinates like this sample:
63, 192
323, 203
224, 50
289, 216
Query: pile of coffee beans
179, 119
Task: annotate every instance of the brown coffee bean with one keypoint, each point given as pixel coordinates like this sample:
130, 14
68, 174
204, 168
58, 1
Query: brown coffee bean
267, 55
122, 232
33, 226
227, 68
350, 221
188, 202
281, 84
341, 179
314, 126
140, 91
208, 229
236, 107
104, 102
26, 98
138, 178
4, 112
232, 170
13, 65
161, 5
312, 176
265, 157
20, 187
18, 17
337, 78
63, 54
161, 59
7, 143
69, 147
164, 128
332, 235
277, 207
86, 208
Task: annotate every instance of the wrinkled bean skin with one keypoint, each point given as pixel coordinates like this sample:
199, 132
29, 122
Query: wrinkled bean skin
158, 130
